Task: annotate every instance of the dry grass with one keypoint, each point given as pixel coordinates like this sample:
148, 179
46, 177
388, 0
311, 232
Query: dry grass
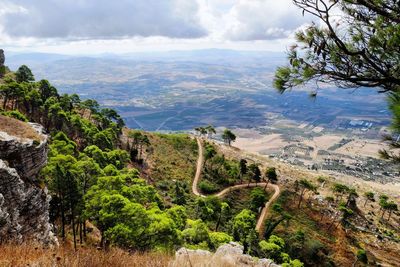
32, 255
17, 128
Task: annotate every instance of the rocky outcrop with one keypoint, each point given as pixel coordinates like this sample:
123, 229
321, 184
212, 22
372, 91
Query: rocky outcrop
24, 204
2, 60
26, 156
228, 255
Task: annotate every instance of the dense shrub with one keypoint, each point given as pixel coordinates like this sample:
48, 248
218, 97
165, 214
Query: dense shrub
15, 114
207, 187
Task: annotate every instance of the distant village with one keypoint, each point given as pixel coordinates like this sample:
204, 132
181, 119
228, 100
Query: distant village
367, 168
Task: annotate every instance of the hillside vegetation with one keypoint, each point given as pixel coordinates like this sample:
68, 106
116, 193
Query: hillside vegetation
129, 193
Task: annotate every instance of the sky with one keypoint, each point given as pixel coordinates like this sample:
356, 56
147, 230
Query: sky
123, 26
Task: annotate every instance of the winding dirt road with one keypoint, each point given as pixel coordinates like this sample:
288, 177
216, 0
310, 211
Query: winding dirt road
195, 190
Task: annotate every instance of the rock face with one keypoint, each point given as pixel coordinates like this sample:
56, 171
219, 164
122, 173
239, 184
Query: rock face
24, 205
2, 58
227, 255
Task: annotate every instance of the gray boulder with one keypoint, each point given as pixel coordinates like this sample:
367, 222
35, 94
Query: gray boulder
227, 255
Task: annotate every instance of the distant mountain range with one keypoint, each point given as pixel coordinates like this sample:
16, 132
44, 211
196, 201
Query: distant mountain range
14, 59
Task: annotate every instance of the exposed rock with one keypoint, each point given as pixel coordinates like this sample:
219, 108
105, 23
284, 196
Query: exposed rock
2, 58
25, 155
228, 255
24, 205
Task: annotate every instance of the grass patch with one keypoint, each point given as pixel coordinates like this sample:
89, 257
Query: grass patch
18, 128
34, 255
172, 157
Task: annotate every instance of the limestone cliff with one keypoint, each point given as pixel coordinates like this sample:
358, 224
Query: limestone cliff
2, 60
24, 204
228, 255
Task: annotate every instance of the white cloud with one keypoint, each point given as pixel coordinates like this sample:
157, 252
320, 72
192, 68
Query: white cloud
262, 20
96, 26
102, 19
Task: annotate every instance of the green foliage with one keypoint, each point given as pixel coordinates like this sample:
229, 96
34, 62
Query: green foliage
271, 175
196, 232
209, 152
102, 140
362, 256
340, 188
219, 238
127, 212
40, 102
117, 157
15, 114
243, 167
24, 74
271, 250
180, 196
274, 249
228, 136
391, 139
313, 251
255, 173
321, 179
361, 55
110, 170
207, 187
258, 198
293, 263
219, 172
243, 227
61, 144
208, 208
97, 154
173, 157
3, 70
359, 51
370, 195
305, 186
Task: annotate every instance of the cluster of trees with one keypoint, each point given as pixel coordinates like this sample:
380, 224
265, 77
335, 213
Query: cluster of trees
70, 173
344, 199
358, 51
197, 235
130, 213
220, 172
208, 131
86, 172
274, 248
213, 211
253, 173
387, 206
205, 131
84, 121
345, 208
137, 141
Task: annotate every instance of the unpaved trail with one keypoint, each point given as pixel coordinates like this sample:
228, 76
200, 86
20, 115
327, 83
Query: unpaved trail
195, 190
199, 167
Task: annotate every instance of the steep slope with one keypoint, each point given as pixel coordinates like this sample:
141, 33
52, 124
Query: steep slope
24, 204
